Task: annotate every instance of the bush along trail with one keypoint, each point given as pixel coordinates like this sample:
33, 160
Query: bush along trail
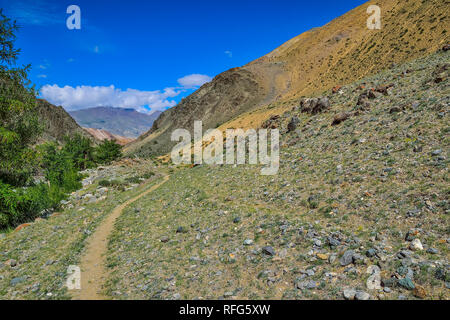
34, 260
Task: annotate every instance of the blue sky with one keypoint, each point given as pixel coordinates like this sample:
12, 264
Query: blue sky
133, 53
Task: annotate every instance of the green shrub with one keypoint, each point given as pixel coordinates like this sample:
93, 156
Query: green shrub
148, 175
25, 204
80, 151
107, 152
104, 183
134, 179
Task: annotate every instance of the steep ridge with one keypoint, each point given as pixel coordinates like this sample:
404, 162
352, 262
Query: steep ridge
338, 53
57, 123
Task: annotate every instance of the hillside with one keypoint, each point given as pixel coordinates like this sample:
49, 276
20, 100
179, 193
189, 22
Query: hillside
358, 210
122, 122
57, 122
101, 135
338, 53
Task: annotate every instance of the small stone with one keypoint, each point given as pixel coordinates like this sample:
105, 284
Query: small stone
11, 262
268, 251
406, 283
349, 294
440, 274
387, 290
164, 239
373, 269
322, 256
176, 296
292, 125
361, 295
432, 250
332, 258
374, 282
17, 280
307, 285
237, 220
389, 283
347, 258
416, 245
371, 252
248, 242
357, 258
420, 292
436, 152
411, 235
181, 230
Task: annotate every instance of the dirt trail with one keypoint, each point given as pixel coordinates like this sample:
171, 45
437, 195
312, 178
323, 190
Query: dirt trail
93, 272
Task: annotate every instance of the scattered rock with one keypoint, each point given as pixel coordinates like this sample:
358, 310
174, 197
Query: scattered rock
374, 282
406, 283
420, 292
347, 258
292, 125
322, 256
349, 294
310, 284
361, 295
314, 105
181, 230
17, 280
389, 283
248, 242
416, 245
268, 251
371, 252
340, 118
164, 239
176, 296
440, 274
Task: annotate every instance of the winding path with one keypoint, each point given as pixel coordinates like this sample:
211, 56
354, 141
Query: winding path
93, 271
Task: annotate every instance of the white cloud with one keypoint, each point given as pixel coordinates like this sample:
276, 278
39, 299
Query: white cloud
96, 49
229, 53
42, 76
194, 80
82, 97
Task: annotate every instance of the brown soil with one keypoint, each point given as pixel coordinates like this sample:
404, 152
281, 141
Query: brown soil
93, 271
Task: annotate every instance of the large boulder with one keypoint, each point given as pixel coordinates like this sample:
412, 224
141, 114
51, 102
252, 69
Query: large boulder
314, 105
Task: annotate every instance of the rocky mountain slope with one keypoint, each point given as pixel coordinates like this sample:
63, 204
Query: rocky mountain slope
123, 122
340, 52
358, 210
101, 135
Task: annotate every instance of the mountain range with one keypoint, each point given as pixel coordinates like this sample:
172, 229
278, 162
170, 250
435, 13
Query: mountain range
123, 122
